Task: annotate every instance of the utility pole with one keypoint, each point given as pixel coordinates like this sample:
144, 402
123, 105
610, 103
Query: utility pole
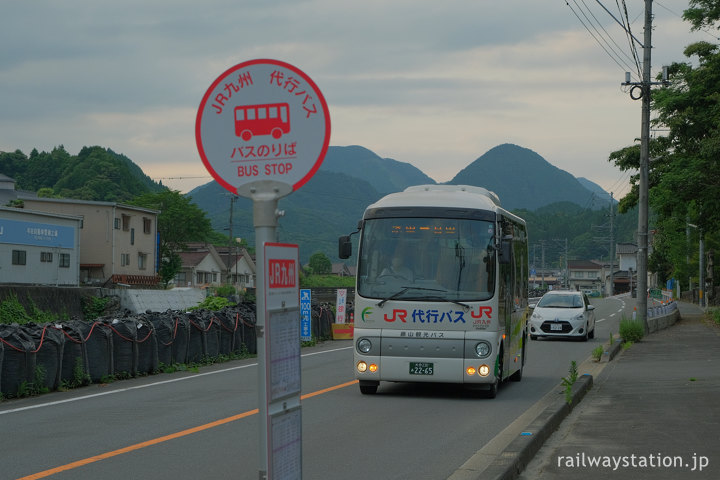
612, 247
644, 169
642, 231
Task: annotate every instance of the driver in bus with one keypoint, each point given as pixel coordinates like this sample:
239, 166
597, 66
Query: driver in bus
397, 267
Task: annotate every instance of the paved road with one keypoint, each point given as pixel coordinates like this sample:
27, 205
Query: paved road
204, 425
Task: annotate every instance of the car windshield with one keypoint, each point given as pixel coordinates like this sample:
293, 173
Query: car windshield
561, 301
452, 258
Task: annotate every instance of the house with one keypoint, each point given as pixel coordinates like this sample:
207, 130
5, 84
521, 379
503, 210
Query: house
202, 267
38, 248
240, 266
627, 256
342, 270
118, 243
585, 275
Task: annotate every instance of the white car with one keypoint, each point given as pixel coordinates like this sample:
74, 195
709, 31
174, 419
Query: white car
562, 313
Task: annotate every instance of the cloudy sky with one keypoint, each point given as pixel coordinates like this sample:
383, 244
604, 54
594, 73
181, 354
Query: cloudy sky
434, 84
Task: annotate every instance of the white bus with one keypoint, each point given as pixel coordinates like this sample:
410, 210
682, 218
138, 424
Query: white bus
441, 290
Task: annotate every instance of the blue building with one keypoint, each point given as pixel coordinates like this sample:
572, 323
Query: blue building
39, 248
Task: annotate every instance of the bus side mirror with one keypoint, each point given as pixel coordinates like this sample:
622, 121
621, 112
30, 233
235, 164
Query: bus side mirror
344, 247
505, 250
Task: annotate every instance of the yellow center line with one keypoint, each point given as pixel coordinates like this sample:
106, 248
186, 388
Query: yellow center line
172, 436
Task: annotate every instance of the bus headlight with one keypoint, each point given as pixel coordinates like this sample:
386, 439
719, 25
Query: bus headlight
364, 345
361, 367
484, 370
482, 349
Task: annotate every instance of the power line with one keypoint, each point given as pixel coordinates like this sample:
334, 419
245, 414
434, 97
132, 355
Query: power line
611, 52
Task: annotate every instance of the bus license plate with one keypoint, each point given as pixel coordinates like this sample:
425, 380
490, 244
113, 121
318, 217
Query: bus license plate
421, 368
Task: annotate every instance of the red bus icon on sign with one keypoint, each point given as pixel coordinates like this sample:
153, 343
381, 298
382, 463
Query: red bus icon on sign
269, 119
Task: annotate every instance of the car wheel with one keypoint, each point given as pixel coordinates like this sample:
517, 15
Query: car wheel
592, 333
585, 337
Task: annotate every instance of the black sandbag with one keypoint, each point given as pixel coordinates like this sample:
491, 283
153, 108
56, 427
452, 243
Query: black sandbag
147, 347
18, 366
74, 368
212, 335
125, 351
99, 348
227, 330
164, 327
49, 342
247, 328
197, 346
181, 338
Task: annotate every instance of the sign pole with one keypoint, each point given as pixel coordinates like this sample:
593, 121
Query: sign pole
265, 201
262, 131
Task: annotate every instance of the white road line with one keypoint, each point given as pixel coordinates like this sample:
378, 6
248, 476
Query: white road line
154, 384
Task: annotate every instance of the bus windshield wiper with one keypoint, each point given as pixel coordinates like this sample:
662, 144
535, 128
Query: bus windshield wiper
405, 289
438, 297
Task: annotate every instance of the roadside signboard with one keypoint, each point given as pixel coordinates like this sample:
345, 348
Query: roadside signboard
262, 120
340, 305
305, 315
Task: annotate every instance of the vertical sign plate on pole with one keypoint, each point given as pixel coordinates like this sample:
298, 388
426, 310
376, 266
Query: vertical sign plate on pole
306, 315
340, 307
282, 327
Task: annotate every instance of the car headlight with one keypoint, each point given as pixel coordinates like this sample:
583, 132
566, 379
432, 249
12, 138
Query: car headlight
482, 349
364, 345
536, 316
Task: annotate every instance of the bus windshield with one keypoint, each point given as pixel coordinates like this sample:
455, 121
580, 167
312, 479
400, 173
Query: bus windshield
428, 259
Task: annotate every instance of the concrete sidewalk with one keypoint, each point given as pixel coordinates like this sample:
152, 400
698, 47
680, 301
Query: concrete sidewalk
653, 412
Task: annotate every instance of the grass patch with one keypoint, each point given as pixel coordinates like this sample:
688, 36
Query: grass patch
631, 330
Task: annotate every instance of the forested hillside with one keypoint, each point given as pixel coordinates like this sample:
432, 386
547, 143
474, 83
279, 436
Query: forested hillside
95, 173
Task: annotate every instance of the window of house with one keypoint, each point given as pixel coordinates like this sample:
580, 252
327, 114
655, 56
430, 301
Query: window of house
142, 261
147, 225
65, 260
19, 257
124, 259
181, 278
199, 277
117, 224
132, 236
126, 222
46, 256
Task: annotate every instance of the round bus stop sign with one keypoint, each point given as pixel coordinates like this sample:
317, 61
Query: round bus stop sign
262, 120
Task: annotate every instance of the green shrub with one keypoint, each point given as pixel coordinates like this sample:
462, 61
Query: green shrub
597, 353
569, 381
12, 311
715, 313
212, 303
94, 307
631, 330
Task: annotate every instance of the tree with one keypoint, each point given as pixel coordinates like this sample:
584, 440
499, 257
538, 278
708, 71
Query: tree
684, 180
320, 264
180, 221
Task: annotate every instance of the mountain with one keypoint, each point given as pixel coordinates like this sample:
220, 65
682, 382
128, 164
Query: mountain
522, 179
385, 174
603, 197
352, 177
95, 173
330, 204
